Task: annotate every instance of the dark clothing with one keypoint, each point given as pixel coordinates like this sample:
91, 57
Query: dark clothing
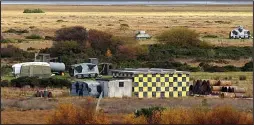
77, 87
82, 86
81, 92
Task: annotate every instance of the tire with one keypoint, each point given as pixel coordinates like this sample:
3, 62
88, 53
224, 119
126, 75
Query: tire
76, 76
95, 75
89, 76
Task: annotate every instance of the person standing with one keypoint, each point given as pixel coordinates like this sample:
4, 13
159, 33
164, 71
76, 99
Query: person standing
77, 87
81, 90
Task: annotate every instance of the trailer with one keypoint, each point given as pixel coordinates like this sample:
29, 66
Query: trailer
30, 69
84, 70
239, 33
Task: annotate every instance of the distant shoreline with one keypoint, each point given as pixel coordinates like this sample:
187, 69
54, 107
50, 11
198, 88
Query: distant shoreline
127, 3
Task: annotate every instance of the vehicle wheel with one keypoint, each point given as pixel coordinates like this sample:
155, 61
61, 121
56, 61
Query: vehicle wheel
76, 76
89, 76
96, 75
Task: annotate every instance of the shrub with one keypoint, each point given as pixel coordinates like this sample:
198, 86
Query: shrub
242, 77
126, 53
222, 22
15, 53
248, 66
124, 27
31, 27
110, 25
70, 114
162, 52
34, 36
6, 70
23, 81
75, 33
210, 36
201, 115
30, 49
182, 37
49, 38
33, 11
5, 83
8, 40
147, 112
16, 31
66, 47
59, 21
36, 82
101, 41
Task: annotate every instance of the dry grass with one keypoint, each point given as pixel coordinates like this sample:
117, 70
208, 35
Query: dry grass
113, 107
25, 117
28, 104
13, 92
247, 84
70, 114
153, 19
218, 115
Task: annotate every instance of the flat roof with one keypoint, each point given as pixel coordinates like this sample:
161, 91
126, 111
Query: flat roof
112, 79
151, 70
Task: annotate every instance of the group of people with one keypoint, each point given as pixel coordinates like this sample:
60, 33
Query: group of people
80, 88
43, 93
200, 87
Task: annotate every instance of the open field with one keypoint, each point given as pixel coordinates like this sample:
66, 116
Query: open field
206, 20
213, 20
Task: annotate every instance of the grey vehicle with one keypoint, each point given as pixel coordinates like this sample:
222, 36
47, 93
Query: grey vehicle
239, 33
84, 70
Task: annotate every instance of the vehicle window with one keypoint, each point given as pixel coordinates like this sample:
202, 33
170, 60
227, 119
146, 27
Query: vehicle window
79, 69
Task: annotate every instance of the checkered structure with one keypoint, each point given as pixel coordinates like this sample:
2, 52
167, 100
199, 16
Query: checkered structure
160, 85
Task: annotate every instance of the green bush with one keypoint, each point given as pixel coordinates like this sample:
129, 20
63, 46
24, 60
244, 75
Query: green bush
33, 11
148, 112
37, 82
23, 81
248, 66
231, 68
6, 70
59, 21
163, 52
5, 83
210, 36
34, 36
182, 37
30, 49
209, 68
8, 40
16, 31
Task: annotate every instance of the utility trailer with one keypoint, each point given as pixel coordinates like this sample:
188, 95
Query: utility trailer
84, 70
